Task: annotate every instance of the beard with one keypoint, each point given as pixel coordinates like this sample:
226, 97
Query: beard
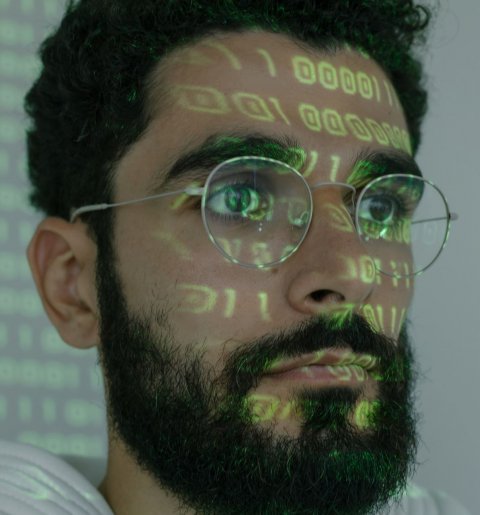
194, 434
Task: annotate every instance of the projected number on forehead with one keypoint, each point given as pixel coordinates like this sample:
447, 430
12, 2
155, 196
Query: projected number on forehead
334, 78
212, 101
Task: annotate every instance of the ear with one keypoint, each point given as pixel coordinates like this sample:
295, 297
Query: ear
62, 260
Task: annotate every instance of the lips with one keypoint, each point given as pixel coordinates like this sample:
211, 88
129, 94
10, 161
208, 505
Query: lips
329, 357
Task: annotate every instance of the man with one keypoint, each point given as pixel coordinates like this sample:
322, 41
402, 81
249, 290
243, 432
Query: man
235, 219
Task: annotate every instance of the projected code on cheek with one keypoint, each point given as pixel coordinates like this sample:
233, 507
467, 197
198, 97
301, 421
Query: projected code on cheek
202, 300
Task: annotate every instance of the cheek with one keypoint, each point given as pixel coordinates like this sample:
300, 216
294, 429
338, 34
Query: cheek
156, 252
177, 268
389, 303
171, 264
218, 303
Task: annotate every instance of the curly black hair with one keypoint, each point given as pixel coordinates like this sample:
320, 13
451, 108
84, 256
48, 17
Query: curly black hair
90, 102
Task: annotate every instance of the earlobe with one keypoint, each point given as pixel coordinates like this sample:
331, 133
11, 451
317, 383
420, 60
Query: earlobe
62, 260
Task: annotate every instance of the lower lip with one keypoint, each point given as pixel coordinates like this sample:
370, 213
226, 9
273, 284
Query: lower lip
349, 374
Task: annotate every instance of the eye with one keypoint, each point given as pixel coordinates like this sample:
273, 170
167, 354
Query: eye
235, 199
240, 201
382, 209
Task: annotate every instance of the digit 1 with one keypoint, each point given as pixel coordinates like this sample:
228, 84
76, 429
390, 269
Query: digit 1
377, 88
335, 165
263, 299
231, 301
388, 93
277, 106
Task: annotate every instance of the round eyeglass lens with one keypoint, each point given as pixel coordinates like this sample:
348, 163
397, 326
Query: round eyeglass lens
404, 221
256, 210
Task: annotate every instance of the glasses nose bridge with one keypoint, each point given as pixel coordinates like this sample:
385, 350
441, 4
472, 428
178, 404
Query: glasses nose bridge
319, 185
350, 206
337, 223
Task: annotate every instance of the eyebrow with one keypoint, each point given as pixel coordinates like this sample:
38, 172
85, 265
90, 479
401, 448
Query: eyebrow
220, 146
369, 164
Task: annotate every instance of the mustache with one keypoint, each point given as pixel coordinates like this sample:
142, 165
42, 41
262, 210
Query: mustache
245, 365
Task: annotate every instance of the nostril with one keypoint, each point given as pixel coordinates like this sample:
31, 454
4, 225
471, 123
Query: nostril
326, 296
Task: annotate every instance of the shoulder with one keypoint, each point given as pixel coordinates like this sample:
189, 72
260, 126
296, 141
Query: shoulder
420, 501
34, 481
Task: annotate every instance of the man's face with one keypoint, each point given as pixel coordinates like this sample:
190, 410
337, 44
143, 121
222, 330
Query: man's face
187, 335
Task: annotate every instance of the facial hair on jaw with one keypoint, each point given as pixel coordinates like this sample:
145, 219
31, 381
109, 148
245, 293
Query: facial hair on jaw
191, 431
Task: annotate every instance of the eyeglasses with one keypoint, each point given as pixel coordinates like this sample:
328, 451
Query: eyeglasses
257, 211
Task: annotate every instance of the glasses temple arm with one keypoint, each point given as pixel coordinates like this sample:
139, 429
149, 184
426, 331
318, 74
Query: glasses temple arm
192, 190
452, 217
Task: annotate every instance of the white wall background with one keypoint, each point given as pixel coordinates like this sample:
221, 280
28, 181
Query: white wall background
52, 395
446, 308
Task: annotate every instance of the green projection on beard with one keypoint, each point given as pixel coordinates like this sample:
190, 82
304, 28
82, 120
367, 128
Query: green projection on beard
212, 101
260, 408
263, 407
364, 415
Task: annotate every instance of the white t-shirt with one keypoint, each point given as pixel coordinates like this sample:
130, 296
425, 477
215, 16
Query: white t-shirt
36, 482
419, 501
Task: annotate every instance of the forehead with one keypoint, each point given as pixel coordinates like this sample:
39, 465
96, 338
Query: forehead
333, 102
269, 58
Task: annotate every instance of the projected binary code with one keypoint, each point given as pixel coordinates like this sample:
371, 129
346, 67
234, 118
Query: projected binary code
51, 395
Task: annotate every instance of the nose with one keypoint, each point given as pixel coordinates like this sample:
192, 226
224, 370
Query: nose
332, 268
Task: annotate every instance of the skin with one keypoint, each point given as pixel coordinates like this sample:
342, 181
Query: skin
158, 275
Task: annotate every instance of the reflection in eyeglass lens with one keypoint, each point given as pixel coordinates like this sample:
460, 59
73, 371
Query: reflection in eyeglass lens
258, 211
